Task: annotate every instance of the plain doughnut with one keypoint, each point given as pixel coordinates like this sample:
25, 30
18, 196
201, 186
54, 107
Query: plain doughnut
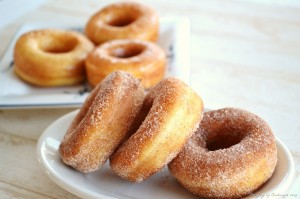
103, 122
232, 154
51, 57
143, 59
123, 20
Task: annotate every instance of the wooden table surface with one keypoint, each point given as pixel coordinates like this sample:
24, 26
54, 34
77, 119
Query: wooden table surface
243, 54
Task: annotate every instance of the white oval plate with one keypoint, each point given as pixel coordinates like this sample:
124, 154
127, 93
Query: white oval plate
105, 184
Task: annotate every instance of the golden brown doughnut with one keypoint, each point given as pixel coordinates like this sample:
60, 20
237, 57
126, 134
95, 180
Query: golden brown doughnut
104, 120
51, 57
232, 153
145, 60
123, 20
172, 112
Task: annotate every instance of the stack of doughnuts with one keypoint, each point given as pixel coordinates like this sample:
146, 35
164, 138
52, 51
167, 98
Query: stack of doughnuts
124, 34
225, 153
116, 109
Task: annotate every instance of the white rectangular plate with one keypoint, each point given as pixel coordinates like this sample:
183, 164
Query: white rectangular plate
14, 93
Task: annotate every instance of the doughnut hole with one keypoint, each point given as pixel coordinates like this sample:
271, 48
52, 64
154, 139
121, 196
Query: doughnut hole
127, 51
121, 18
224, 140
58, 44
147, 105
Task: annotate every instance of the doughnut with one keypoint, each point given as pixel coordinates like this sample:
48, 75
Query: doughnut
143, 59
104, 120
232, 153
172, 112
123, 20
51, 57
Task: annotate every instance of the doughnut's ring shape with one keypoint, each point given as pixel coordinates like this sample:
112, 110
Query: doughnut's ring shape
51, 57
103, 122
172, 112
123, 20
145, 60
232, 153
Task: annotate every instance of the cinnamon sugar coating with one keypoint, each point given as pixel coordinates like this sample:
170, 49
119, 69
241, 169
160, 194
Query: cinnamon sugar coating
102, 123
232, 153
171, 113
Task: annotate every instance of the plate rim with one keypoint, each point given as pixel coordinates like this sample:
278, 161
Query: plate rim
74, 190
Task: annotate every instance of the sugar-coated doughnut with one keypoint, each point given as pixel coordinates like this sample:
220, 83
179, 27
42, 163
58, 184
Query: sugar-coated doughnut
143, 59
123, 20
51, 57
172, 112
104, 120
232, 153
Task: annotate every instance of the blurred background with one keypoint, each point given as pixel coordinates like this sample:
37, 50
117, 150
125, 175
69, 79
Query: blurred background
243, 53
